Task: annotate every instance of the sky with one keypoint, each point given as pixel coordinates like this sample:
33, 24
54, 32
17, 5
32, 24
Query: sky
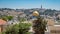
27, 4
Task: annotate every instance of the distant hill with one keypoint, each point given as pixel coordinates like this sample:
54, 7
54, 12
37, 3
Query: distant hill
29, 11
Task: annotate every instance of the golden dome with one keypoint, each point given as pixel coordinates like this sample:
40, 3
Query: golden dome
35, 13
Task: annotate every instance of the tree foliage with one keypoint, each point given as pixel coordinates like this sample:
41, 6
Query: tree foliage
21, 19
21, 28
7, 18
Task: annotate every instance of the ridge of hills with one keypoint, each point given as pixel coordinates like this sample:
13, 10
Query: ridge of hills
29, 11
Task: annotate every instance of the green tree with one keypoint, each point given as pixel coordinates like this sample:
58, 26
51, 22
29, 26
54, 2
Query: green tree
4, 18
21, 19
7, 18
12, 29
24, 28
21, 28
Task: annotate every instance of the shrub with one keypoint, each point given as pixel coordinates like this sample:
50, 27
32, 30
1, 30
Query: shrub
21, 28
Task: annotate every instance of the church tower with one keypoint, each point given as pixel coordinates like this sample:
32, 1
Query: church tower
41, 6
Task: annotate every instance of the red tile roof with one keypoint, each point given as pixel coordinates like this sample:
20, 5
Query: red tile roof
2, 22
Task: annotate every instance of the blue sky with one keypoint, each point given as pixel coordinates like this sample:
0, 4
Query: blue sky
50, 4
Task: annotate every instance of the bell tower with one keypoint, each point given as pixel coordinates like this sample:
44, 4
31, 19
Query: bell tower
41, 6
